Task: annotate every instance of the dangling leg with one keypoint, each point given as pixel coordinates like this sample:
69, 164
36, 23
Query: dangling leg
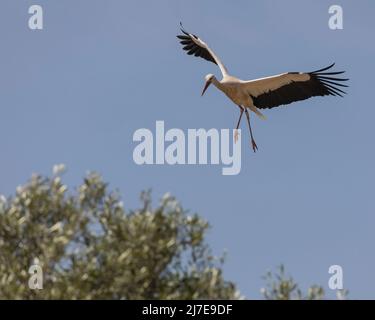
238, 124
255, 147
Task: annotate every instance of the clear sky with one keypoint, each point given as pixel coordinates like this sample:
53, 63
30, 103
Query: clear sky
76, 91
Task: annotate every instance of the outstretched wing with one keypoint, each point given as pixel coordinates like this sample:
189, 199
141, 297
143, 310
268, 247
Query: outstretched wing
194, 45
294, 86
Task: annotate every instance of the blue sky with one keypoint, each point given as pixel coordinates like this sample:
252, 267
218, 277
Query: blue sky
75, 92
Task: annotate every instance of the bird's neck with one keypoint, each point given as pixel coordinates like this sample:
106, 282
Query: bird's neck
217, 84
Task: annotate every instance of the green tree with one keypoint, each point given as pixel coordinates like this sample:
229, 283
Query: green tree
280, 286
89, 247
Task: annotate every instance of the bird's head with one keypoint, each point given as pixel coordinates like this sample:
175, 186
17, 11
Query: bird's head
209, 78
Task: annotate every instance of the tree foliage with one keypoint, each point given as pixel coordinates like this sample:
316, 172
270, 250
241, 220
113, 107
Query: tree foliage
89, 247
279, 286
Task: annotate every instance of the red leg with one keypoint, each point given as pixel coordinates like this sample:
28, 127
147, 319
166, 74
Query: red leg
238, 124
255, 147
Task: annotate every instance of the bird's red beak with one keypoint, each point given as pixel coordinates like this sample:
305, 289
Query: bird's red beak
205, 87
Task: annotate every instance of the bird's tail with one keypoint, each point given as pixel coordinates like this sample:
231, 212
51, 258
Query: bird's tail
258, 113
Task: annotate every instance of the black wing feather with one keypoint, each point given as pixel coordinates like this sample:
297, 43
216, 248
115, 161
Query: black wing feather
192, 48
318, 85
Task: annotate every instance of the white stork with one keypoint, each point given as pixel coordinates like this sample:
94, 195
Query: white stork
263, 93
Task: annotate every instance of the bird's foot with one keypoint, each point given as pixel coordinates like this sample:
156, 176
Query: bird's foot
236, 134
254, 145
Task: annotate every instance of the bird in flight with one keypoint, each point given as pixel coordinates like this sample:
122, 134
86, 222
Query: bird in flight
263, 93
